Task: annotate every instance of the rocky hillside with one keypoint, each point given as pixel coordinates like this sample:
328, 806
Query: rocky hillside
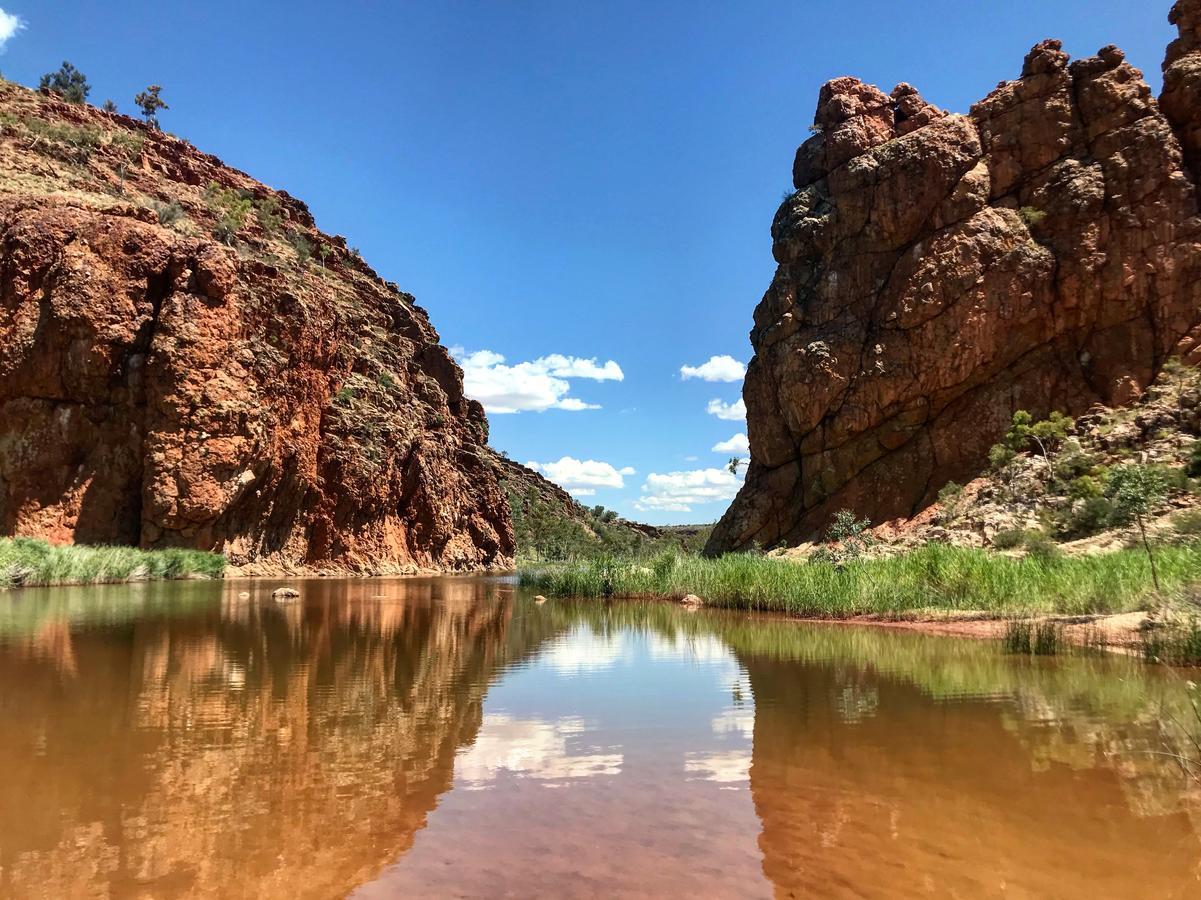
549, 523
937, 272
1050, 487
189, 362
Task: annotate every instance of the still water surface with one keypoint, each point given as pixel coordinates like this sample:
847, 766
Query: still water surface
450, 737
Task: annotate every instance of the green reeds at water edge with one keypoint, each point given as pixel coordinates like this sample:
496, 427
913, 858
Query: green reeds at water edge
1176, 644
27, 562
1033, 638
933, 577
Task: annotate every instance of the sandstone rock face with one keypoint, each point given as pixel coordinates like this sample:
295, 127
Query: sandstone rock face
274, 399
1181, 97
938, 272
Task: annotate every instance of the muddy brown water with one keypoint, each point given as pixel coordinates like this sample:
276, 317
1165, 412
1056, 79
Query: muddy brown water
449, 737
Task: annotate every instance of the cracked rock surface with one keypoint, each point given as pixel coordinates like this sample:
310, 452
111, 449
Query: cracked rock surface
937, 272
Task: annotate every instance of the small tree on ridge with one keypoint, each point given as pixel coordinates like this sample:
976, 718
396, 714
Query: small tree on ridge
150, 103
68, 82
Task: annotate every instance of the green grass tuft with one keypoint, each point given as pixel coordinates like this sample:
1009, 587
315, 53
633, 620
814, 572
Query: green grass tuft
29, 562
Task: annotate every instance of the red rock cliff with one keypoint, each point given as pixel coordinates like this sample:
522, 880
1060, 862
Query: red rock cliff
937, 272
266, 395
1181, 97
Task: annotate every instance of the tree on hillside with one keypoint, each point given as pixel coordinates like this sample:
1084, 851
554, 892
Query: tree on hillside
848, 538
734, 465
109, 106
68, 82
150, 103
1134, 491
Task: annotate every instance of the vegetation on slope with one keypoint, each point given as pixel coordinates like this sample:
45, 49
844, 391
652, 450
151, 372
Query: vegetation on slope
549, 525
1106, 478
29, 562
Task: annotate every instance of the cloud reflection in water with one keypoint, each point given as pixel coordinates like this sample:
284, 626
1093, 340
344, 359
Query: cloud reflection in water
530, 748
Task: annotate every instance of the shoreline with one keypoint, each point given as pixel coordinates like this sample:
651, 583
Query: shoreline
33, 562
1111, 631
1118, 632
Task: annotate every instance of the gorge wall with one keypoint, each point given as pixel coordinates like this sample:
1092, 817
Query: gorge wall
937, 272
264, 394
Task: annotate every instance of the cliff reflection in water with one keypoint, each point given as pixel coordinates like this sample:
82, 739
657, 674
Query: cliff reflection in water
448, 736
1037, 779
255, 749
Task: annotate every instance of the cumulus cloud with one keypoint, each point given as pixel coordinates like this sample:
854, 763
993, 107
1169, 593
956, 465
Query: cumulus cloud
9, 25
533, 386
574, 367
582, 492
571, 404
739, 444
718, 368
680, 491
581, 474
730, 412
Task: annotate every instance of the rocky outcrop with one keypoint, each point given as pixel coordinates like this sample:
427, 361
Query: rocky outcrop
263, 394
1181, 97
936, 272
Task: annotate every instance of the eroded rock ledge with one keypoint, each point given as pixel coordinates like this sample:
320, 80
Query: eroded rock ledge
937, 272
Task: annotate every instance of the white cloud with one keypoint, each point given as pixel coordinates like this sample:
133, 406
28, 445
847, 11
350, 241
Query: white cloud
582, 492
573, 367
572, 473
691, 458
534, 386
571, 404
718, 368
680, 491
9, 25
661, 504
730, 412
737, 444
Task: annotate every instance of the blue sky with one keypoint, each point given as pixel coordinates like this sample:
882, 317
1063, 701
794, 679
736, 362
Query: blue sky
591, 181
